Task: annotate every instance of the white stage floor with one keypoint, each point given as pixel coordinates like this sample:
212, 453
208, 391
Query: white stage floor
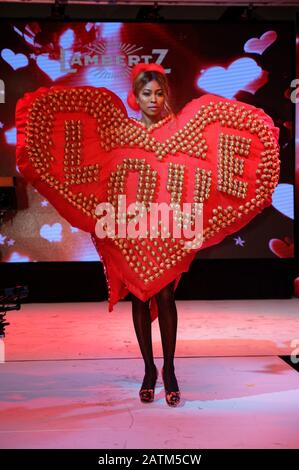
73, 371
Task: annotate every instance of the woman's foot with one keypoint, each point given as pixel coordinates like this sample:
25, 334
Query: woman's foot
147, 390
172, 392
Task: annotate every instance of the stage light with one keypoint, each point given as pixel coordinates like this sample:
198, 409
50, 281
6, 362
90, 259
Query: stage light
150, 13
239, 13
15, 294
8, 199
10, 299
58, 9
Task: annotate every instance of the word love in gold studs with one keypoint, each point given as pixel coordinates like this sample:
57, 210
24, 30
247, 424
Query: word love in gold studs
80, 148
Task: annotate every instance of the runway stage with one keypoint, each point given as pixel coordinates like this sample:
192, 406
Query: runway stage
72, 373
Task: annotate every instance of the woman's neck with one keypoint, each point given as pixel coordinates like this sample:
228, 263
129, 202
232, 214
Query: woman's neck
149, 121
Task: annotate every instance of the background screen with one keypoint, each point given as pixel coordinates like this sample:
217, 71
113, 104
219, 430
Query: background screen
253, 63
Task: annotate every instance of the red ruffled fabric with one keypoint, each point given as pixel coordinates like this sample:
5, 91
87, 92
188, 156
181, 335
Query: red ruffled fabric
76, 145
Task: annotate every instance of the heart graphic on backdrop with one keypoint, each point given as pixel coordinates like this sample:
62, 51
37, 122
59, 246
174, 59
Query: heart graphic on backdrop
16, 61
259, 45
79, 148
282, 248
52, 233
16, 257
52, 68
282, 199
239, 75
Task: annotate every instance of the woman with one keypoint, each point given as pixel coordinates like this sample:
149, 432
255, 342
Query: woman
96, 150
150, 94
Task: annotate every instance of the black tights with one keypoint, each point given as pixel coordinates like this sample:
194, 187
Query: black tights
167, 317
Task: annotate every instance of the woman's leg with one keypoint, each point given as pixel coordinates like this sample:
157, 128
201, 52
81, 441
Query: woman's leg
143, 330
168, 320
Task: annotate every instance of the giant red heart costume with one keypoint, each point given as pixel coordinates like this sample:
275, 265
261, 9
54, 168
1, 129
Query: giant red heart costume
78, 147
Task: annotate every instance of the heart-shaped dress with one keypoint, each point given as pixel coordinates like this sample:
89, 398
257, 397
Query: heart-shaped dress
78, 148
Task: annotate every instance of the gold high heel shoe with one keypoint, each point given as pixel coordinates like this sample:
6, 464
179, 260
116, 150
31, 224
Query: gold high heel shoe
173, 398
147, 395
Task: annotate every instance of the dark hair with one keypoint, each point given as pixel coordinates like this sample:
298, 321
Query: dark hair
147, 76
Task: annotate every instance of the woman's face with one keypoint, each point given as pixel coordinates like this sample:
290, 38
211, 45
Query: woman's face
151, 99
